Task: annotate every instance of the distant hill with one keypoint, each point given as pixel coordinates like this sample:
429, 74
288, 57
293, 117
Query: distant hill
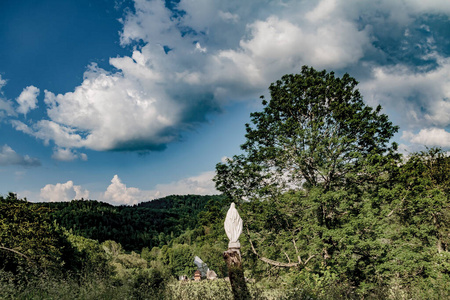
147, 224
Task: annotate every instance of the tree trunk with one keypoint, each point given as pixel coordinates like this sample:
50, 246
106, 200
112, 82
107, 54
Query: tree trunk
236, 274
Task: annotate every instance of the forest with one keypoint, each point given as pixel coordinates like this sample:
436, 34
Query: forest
147, 224
331, 210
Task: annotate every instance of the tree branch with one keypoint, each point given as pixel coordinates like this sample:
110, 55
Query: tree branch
287, 256
15, 251
296, 251
273, 262
309, 258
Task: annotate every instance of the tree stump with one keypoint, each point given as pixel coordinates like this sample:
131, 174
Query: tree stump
236, 274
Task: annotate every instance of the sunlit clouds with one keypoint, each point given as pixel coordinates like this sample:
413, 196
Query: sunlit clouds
63, 192
181, 71
27, 100
118, 192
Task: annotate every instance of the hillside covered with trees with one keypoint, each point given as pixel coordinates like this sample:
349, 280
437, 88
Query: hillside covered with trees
148, 224
331, 210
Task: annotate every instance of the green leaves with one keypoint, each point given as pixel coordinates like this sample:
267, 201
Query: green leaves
320, 179
314, 160
314, 131
27, 229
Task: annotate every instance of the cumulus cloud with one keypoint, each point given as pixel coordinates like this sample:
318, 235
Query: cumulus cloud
278, 46
421, 98
10, 157
198, 185
118, 193
6, 107
122, 111
63, 192
64, 154
430, 137
191, 61
27, 100
156, 93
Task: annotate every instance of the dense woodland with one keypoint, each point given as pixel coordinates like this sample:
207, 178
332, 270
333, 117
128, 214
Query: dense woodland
331, 210
148, 224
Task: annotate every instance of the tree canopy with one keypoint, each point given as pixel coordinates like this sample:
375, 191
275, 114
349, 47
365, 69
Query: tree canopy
28, 237
314, 131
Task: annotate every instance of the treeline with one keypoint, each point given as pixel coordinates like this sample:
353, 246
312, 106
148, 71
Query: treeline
148, 224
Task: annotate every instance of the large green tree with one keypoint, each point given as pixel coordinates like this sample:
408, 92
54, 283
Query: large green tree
315, 131
312, 164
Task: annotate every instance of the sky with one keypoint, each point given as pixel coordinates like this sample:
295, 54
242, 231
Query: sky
127, 101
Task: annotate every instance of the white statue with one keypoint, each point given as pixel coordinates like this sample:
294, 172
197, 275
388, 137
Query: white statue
233, 227
201, 266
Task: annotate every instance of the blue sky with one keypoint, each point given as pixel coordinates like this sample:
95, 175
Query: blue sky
127, 101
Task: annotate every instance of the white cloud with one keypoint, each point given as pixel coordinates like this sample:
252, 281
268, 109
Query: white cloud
6, 107
228, 17
151, 22
430, 6
118, 193
65, 154
110, 111
198, 185
276, 47
420, 98
27, 100
323, 11
189, 64
29, 195
405, 150
430, 137
63, 192
199, 48
2, 82
10, 157
154, 95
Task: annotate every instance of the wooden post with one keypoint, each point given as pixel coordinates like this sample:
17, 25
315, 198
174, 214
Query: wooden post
236, 274
233, 229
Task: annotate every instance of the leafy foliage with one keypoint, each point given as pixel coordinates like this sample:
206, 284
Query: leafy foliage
321, 189
419, 230
28, 237
316, 131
